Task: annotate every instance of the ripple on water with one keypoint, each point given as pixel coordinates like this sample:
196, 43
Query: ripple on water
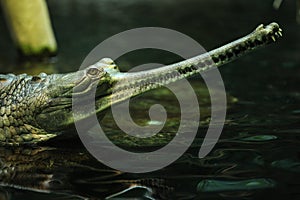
211, 185
259, 138
287, 164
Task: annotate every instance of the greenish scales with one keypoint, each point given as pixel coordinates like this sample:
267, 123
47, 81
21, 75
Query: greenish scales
37, 108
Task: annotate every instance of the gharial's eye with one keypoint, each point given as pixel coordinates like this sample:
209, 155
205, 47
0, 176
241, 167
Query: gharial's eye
93, 71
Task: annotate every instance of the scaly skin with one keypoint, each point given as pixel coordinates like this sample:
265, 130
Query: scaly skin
37, 108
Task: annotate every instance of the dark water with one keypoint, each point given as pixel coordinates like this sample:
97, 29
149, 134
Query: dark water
258, 154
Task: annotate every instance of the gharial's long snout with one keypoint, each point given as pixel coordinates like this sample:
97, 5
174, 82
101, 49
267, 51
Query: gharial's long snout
132, 84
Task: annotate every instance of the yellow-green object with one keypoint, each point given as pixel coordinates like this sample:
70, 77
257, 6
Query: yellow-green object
30, 26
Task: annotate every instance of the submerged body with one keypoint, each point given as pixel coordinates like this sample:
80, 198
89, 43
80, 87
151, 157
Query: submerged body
37, 108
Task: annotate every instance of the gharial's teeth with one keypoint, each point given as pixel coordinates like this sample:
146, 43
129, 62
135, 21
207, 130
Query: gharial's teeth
273, 38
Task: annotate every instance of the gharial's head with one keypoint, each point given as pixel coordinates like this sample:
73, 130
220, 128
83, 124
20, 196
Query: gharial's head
61, 90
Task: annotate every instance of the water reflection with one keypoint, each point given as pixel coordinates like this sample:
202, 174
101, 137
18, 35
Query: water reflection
65, 171
73, 173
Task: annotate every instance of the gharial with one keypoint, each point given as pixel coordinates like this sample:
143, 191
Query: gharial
37, 108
